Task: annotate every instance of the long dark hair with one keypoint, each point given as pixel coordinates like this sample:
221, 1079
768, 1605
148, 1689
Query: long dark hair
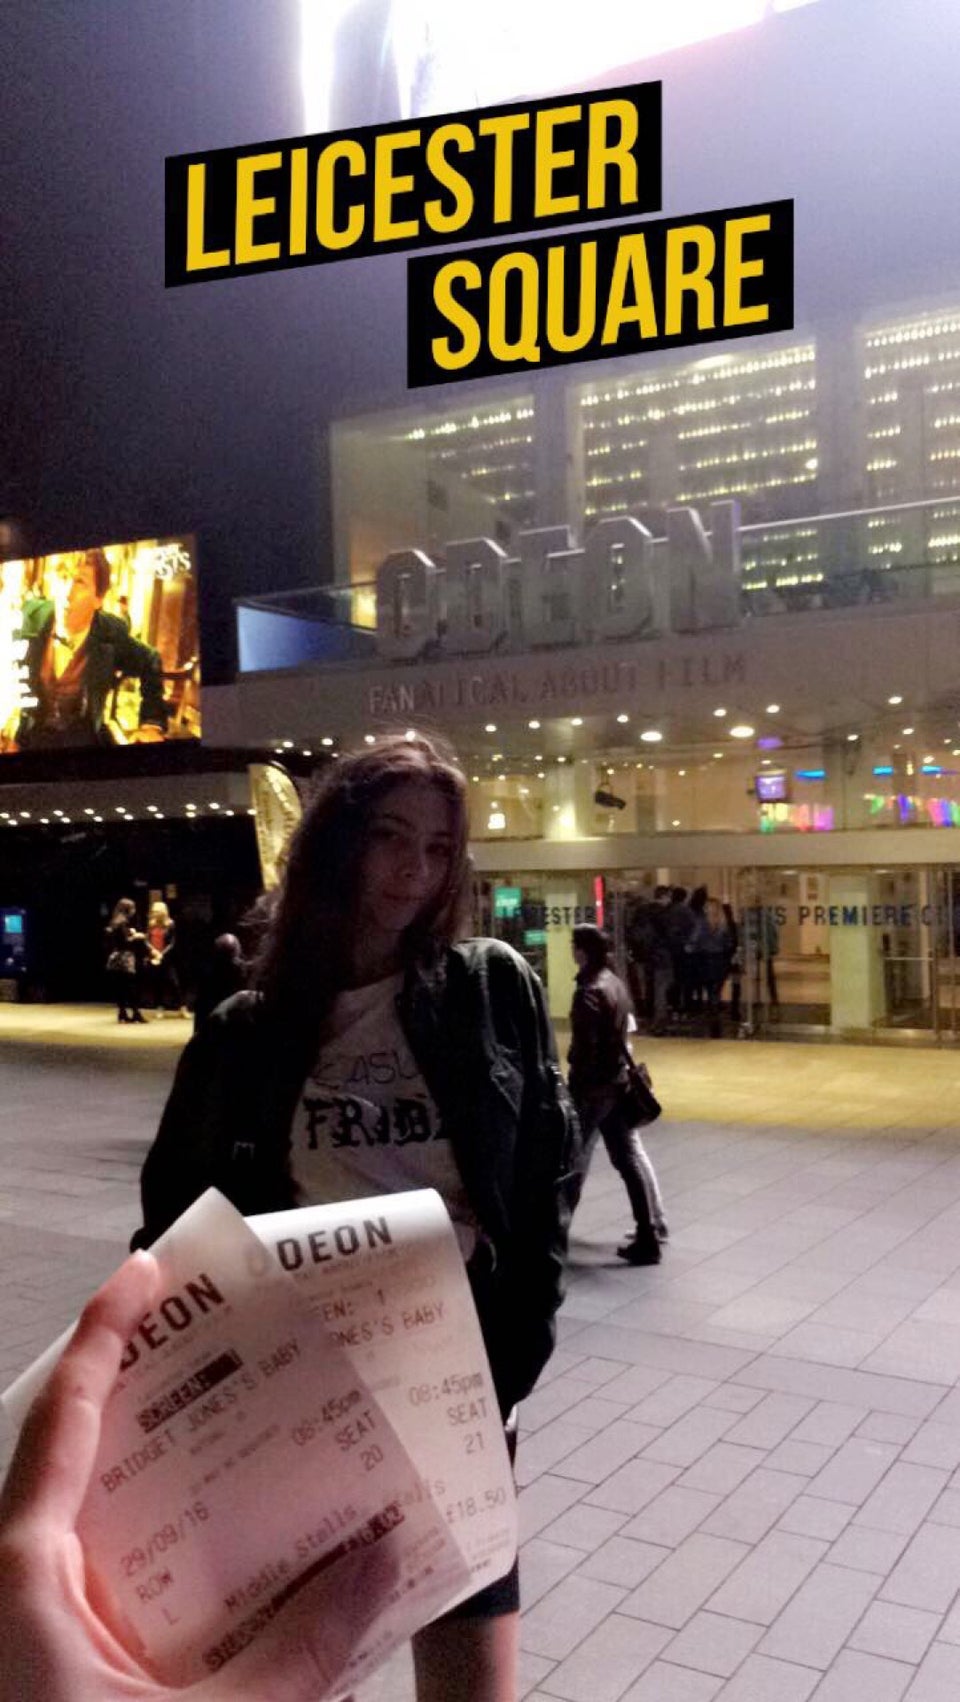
303, 959
124, 913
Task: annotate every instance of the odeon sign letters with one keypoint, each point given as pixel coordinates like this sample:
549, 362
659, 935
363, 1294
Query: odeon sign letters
623, 583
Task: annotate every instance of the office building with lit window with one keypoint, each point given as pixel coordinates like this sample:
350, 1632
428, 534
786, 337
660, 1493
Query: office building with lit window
709, 637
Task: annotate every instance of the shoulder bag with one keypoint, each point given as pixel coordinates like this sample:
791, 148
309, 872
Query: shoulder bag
638, 1104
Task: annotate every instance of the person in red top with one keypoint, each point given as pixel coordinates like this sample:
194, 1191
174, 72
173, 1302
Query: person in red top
161, 944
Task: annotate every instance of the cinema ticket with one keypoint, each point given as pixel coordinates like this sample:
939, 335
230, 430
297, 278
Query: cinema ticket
387, 1279
305, 1385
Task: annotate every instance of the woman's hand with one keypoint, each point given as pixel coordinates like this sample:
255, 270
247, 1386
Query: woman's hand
55, 1648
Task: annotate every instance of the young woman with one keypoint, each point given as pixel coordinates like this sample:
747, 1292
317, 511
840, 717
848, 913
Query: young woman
161, 944
276, 1101
598, 1076
124, 944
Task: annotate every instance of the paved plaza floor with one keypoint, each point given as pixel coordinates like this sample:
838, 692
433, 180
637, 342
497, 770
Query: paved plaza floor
740, 1474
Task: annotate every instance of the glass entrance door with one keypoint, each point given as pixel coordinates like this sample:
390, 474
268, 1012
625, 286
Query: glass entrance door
784, 950
946, 895
911, 947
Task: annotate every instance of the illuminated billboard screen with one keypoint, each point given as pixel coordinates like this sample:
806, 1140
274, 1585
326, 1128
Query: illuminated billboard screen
373, 61
100, 647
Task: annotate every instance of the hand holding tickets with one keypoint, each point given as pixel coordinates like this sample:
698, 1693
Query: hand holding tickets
254, 1455
55, 1648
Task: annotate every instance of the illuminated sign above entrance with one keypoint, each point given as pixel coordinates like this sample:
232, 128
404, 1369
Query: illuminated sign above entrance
507, 901
622, 583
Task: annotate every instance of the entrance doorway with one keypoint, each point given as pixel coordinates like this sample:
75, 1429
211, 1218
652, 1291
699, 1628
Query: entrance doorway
784, 952
946, 974
856, 952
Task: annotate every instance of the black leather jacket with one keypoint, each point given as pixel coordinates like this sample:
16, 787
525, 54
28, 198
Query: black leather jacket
598, 1038
478, 1029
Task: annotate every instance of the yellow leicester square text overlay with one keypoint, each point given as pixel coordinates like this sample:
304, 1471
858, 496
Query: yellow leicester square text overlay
415, 184
548, 300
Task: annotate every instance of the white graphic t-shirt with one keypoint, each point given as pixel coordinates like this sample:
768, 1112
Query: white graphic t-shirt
365, 1122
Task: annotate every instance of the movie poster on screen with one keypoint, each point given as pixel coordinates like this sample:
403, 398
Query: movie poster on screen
100, 647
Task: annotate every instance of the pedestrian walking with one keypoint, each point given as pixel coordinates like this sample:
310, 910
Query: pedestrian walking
598, 1079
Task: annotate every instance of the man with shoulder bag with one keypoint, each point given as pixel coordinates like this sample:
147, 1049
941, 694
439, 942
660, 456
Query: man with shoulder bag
613, 1094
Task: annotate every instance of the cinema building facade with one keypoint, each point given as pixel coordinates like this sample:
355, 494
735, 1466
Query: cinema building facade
687, 622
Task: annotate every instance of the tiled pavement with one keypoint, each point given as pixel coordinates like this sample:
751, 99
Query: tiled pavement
740, 1474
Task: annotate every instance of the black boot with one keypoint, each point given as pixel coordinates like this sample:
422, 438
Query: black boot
642, 1249
138, 1016
122, 1016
